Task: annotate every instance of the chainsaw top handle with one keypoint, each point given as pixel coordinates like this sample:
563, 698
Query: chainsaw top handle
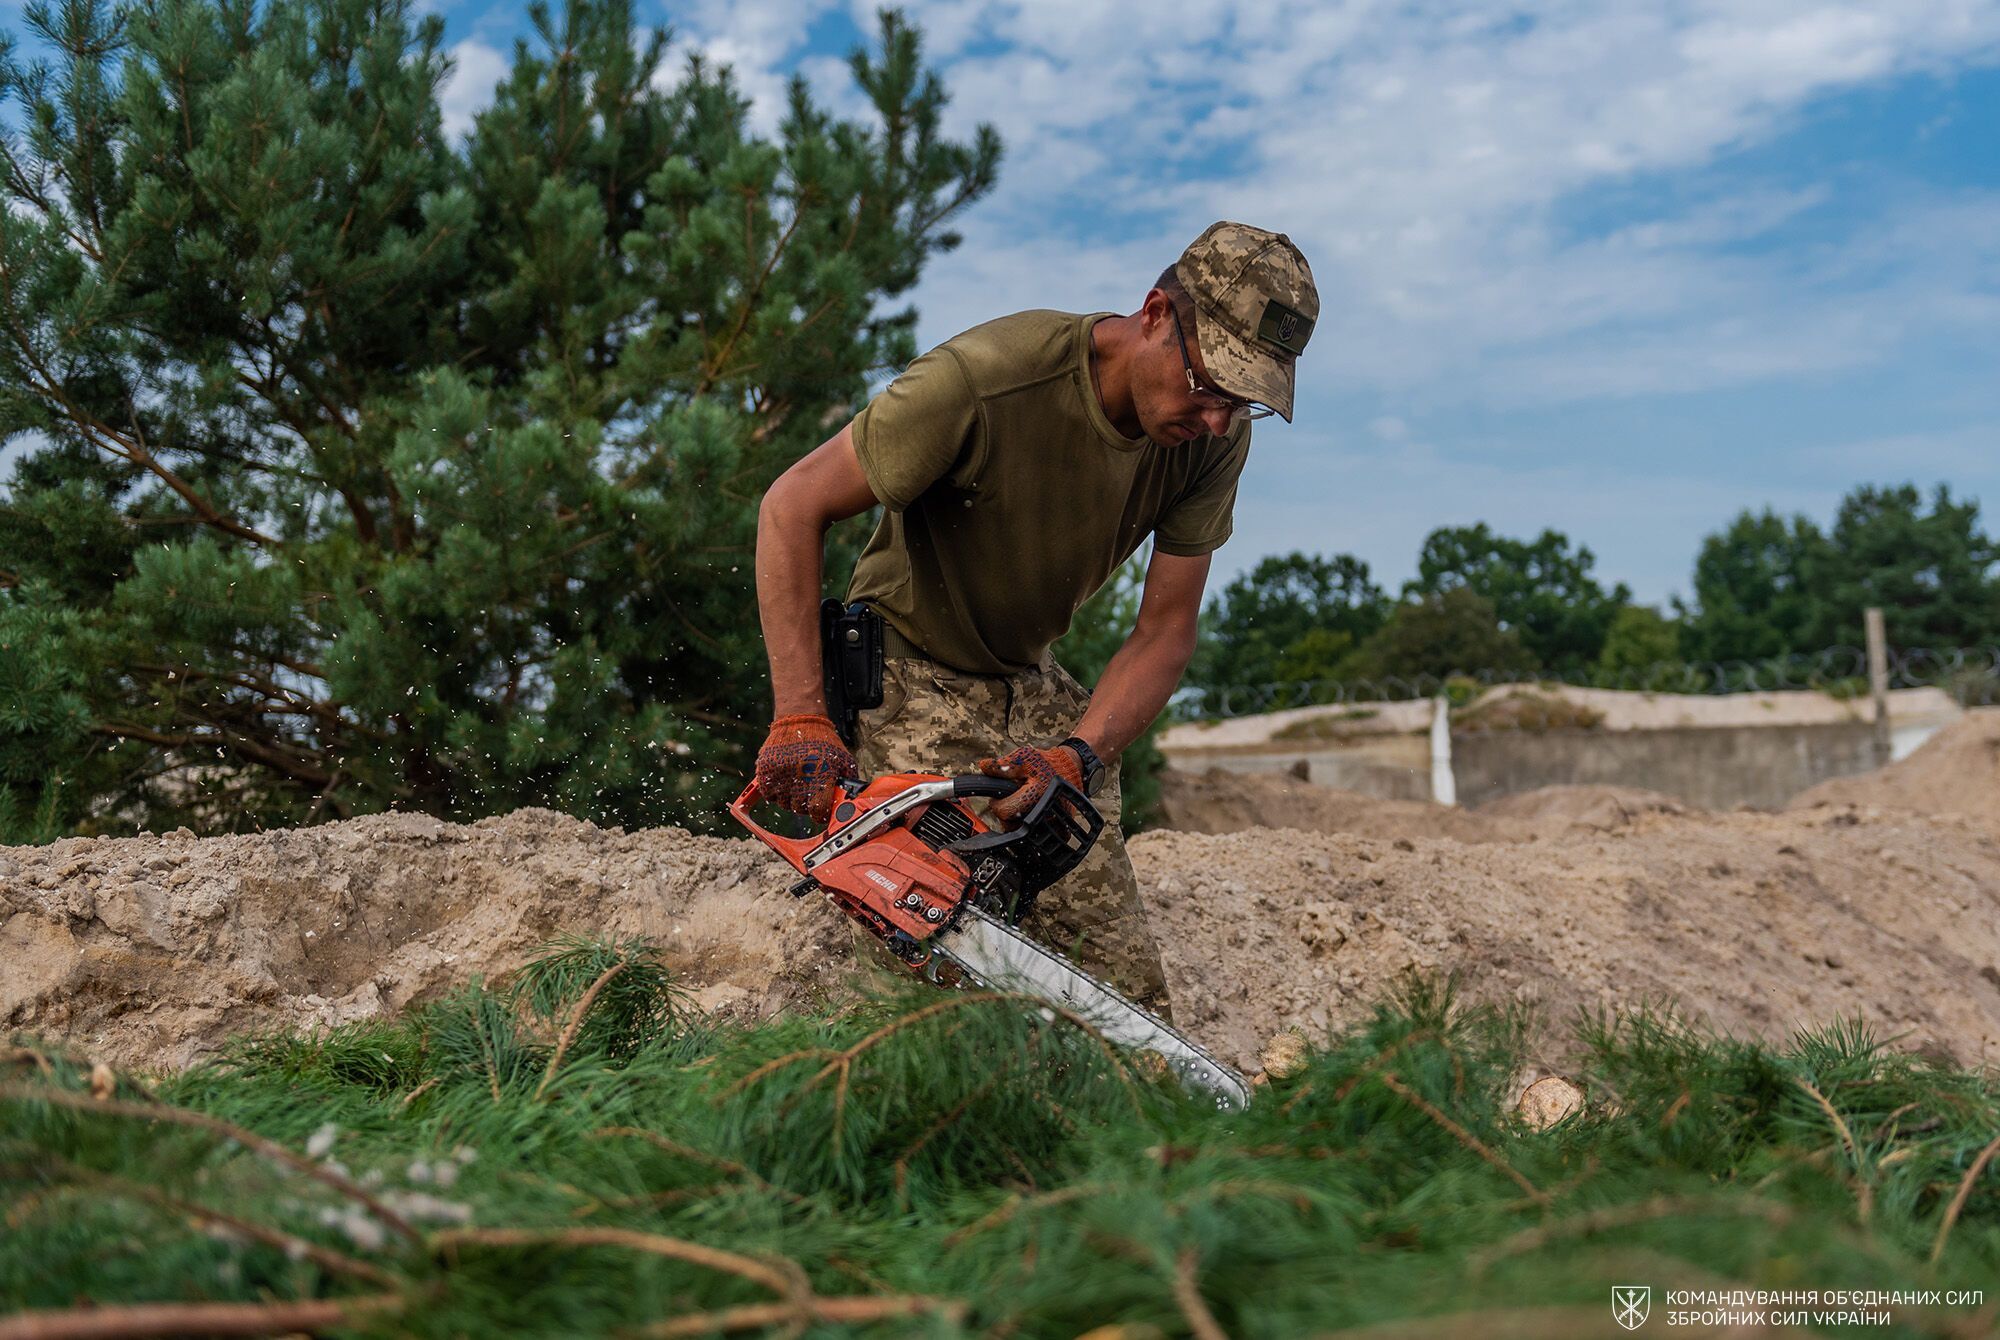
979, 784
794, 850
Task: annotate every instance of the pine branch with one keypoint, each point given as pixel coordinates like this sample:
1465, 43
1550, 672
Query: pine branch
140, 1321
780, 1276
180, 1116
1958, 1201
575, 1022
1187, 1294
827, 1311
338, 1263
133, 451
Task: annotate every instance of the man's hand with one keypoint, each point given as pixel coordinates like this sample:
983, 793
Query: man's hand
1034, 769
802, 764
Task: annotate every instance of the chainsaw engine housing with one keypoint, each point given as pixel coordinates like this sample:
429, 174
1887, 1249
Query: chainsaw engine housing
901, 853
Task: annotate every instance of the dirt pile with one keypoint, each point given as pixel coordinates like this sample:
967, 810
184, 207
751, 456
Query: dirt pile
1555, 811
1753, 923
1219, 801
1956, 771
151, 949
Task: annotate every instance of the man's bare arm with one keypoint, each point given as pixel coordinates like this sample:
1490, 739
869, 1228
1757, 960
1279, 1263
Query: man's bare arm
825, 486
1147, 669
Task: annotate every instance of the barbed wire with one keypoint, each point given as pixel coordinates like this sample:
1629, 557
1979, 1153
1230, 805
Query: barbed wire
1970, 674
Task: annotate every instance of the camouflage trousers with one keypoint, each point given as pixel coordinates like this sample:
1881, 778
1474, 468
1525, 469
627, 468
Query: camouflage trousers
935, 719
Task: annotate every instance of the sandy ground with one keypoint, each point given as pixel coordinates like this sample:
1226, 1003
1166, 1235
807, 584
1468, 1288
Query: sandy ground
1876, 896
1220, 801
1956, 772
151, 949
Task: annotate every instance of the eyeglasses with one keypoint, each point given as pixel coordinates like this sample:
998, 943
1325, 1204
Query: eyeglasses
1209, 395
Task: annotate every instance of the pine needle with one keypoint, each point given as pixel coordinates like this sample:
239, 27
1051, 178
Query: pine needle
694, 1155
1624, 1216
1021, 1204
1463, 1136
1964, 1193
575, 1022
338, 1263
112, 1107
785, 1278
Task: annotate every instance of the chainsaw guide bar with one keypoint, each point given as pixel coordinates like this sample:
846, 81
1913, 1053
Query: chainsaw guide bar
998, 956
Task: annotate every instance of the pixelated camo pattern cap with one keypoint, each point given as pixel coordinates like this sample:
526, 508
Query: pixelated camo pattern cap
1255, 298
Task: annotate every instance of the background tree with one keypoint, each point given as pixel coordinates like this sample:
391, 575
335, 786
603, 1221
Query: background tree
1759, 590
1452, 632
374, 471
1291, 619
1640, 639
1934, 573
1100, 627
1768, 587
1543, 591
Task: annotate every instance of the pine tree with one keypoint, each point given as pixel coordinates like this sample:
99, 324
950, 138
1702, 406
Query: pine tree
372, 470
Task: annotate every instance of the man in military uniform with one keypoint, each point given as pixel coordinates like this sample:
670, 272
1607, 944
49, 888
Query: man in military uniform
1017, 466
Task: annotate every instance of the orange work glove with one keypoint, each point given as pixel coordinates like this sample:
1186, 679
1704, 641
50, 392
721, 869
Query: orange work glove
1034, 769
802, 764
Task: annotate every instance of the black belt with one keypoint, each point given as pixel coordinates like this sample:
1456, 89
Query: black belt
896, 646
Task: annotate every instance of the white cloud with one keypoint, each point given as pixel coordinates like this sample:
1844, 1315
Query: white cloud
477, 70
1420, 154
759, 40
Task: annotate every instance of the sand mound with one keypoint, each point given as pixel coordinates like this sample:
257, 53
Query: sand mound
1755, 924
1220, 801
1561, 808
151, 949
1957, 771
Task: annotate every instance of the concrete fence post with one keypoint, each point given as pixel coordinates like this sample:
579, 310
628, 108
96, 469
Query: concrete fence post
1878, 681
1444, 787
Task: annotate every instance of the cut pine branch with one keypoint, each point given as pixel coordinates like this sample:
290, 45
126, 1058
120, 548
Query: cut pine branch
180, 1116
140, 1321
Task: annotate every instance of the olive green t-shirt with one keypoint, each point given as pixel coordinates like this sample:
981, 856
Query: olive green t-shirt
1008, 498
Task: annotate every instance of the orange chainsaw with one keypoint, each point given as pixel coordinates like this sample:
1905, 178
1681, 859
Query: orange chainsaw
906, 857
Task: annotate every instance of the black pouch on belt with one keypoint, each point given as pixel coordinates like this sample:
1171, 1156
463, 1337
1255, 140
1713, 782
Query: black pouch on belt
851, 655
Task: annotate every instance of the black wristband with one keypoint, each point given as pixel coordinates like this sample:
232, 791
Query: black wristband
1093, 766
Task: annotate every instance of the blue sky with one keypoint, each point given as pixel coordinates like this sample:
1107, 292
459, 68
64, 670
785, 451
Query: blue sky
1620, 268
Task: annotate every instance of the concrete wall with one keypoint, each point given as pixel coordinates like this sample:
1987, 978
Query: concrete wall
1395, 767
1715, 768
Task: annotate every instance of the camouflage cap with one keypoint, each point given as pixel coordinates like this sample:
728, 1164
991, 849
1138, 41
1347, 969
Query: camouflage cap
1255, 298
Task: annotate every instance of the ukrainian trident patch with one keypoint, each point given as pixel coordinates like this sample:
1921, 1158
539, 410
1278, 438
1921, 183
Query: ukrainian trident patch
1285, 327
